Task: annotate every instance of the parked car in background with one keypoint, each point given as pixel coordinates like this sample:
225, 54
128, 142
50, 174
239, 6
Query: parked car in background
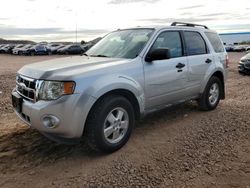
17, 48
7, 48
87, 46
229, 48
244, 64
240, 48
38, 49
1, 45
23, 50
55, 47
71, 49
247, 48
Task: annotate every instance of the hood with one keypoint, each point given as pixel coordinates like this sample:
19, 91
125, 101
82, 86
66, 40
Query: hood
63, 68
247, 56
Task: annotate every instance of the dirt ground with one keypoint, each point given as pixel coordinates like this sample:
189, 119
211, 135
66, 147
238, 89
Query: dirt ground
177, 147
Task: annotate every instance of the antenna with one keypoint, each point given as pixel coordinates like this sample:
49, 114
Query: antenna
76, 26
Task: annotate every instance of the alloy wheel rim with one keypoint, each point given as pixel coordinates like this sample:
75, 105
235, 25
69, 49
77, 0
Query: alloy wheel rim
116, 125
214, 94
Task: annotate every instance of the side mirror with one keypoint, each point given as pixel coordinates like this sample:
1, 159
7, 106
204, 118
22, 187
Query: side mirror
158, 54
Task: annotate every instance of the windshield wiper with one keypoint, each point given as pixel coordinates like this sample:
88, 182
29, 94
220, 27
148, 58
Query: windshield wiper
99, 55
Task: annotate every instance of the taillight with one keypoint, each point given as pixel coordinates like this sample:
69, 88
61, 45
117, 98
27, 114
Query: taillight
227, 61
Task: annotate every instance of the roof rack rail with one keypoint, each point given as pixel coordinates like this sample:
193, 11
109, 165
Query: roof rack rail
188, 24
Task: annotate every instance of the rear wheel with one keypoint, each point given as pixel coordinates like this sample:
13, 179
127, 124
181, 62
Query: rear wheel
110, 124
211, 95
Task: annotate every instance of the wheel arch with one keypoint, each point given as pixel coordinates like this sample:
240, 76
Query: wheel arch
219, 74
129, 95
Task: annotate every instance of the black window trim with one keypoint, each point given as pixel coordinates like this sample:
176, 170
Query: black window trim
181, 38
185, 42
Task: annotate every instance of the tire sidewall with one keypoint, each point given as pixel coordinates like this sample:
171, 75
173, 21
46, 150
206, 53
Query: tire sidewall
103, 113
209, 84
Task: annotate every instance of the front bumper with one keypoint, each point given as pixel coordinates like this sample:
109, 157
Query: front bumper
66, 109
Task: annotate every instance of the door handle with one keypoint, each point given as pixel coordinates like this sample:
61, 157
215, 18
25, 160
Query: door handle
180, 65
208, 61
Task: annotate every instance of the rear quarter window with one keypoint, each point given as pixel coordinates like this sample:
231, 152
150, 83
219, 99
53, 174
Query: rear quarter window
215, 42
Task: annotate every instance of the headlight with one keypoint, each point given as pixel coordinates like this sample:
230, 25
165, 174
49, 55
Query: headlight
243, 60
51, 90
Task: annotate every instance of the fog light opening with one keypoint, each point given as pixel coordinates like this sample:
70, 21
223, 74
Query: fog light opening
50, 121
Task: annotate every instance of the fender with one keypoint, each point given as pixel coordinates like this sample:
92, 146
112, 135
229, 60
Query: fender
208, 76
98, 88
108, 83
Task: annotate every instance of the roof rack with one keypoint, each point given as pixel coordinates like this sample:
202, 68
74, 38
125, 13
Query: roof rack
188, 24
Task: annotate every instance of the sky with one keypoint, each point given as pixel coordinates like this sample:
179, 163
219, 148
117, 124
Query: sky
57, 20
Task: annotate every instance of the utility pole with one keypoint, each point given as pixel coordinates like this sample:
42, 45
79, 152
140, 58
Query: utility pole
76, 32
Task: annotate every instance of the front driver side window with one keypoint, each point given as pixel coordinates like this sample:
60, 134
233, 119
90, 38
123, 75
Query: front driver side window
170, 40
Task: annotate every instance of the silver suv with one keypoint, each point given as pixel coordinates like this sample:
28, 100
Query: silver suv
129, 73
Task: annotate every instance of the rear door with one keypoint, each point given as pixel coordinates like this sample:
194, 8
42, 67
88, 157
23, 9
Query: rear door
200, 60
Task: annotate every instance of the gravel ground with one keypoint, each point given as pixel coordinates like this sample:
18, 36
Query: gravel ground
176, 147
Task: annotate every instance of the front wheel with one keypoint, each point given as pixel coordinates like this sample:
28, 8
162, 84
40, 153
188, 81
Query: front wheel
211, 95
110, 124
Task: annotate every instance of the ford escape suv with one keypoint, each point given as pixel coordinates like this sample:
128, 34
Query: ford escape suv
129, 73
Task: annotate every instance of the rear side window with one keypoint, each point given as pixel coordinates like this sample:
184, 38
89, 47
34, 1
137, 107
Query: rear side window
195, 43
170, 40
215, 41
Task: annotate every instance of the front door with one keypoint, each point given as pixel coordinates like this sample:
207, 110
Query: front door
164, 79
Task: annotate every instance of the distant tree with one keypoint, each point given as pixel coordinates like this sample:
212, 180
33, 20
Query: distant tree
83, 42
245, 42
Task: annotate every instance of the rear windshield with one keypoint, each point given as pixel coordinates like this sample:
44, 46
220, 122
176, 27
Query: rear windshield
215, 41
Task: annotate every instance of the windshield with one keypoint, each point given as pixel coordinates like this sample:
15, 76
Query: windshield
121, 44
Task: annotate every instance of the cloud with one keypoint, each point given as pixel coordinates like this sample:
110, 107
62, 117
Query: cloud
242, 27
170, 20
214, 14
132, 1
49, 34
4, 18
205, 15
191, 7
7, 31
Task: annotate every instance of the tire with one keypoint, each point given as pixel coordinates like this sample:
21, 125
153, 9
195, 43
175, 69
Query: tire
104, 116
242, 73
32, 53
211, 96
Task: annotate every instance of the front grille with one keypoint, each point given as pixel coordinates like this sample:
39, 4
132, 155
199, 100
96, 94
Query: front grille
26, 87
